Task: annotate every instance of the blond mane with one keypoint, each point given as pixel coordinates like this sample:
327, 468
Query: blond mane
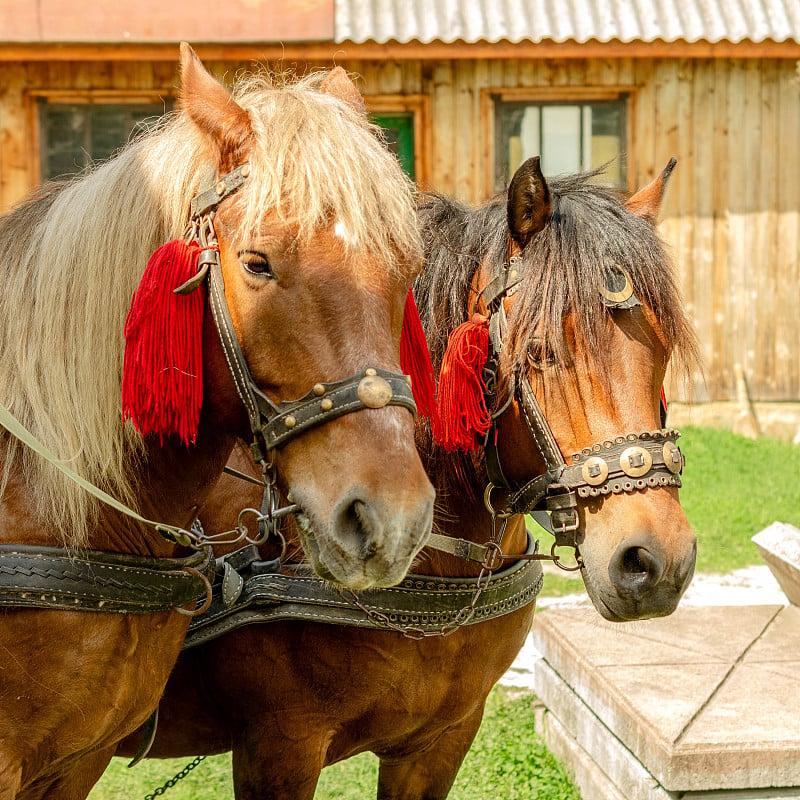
74, 255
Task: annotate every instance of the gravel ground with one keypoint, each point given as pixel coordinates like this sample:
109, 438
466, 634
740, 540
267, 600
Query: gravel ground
750, 586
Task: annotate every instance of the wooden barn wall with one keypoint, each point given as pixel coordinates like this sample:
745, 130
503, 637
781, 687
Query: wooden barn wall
732, 211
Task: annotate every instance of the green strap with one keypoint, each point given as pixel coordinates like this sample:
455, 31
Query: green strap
15, 428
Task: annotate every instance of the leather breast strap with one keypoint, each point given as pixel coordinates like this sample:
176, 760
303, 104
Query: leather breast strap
55, 578
247, 590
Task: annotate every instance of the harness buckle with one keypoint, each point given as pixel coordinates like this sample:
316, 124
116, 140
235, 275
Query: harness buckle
562, 503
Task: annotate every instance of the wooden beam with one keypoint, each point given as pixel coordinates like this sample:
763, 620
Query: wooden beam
327, 51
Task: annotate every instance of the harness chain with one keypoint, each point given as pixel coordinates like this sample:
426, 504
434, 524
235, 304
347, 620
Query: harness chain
463, 617
175, 778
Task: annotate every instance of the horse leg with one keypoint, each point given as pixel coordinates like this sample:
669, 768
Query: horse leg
263, 770
10, 779
428, 773
72, 782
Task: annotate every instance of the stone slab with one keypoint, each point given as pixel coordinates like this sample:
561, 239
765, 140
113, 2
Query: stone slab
779, 545
597, 757
592, 782
705, 699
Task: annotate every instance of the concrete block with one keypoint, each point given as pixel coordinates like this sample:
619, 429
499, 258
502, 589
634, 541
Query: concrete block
590, 740
779, 545
587, 775
703, 699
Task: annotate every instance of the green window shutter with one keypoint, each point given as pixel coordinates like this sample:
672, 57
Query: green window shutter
399, 131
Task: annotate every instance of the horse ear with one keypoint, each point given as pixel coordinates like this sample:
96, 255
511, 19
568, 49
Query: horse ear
646, 203
529, 203
211, 107
337, 83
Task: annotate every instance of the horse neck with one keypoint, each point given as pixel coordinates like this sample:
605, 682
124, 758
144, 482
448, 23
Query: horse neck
172, 483
462, 513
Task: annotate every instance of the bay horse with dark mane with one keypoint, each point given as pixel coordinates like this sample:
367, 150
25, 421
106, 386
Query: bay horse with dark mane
565, 298
292, 266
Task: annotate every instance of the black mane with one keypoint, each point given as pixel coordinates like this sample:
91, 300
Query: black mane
590, 229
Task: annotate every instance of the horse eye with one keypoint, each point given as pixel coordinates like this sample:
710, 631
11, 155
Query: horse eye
256, 263
540, 355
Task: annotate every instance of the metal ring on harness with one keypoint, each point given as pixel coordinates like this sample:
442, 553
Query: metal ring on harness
487, 501
557, 559
209, 594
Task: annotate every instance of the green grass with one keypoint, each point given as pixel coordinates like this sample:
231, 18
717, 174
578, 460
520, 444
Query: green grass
508, 760
733, 488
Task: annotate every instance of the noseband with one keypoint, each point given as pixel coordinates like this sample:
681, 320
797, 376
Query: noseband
621, 464
273, 425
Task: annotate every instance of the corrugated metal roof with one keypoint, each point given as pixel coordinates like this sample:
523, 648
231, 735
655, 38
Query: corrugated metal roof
567, 20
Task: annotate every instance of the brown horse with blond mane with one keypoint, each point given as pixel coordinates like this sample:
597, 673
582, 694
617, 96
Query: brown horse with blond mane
590, 316
299, 258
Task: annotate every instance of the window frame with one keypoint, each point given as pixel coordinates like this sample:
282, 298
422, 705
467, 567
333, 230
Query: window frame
116, 97
418, 106
492, 98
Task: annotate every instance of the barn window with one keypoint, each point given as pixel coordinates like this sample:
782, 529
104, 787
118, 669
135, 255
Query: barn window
73, 136
569, 136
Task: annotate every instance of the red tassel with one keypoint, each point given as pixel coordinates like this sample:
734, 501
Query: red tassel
415, 359
462, 416
162, 379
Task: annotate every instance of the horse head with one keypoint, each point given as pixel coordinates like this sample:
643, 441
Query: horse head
316, 252
594, 321
552, 385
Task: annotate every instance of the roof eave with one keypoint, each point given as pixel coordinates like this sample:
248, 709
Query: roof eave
370, 49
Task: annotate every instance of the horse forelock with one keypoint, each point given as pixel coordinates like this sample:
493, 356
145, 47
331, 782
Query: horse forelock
565, 264
74, 256
319, 162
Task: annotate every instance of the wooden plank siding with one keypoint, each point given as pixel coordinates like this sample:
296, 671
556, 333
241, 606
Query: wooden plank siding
732, 212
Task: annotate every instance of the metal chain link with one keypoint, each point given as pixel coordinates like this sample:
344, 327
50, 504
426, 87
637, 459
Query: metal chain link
463, 616
173, 780
274, 513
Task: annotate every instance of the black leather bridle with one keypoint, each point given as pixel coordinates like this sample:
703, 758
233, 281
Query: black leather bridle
273, 425
623, 463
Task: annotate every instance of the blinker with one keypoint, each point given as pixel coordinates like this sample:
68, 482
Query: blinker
617, 289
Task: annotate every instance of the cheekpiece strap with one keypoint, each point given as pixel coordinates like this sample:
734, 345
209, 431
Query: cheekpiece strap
274, 424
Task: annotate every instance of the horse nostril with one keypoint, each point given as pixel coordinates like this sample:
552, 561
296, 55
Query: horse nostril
635, 569
361, 528
637, 560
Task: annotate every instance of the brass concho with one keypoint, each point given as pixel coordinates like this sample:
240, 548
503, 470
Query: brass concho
594, 471
673, 457
374, 391
635, 461
618, 287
